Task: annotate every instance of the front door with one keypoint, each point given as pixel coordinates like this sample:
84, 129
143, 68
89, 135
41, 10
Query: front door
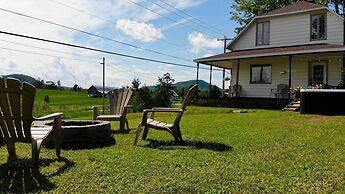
318, 72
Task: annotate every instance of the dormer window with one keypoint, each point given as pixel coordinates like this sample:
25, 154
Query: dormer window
263, 33
318, 27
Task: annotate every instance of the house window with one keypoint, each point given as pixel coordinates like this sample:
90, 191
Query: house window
263, 33
261, 74
318, 27
318, 72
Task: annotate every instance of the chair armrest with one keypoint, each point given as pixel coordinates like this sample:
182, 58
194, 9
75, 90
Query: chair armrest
273, 90
100, 106
129, 106
51, 116
163, 110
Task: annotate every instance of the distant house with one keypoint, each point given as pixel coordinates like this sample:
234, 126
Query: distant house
96, 91
174, 96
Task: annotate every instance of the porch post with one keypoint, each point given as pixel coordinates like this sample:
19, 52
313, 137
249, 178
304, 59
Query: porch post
197, 73
290, 65
238, 71
223, 82
210, 86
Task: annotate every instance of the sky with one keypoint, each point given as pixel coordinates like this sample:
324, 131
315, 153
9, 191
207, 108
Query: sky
175, 31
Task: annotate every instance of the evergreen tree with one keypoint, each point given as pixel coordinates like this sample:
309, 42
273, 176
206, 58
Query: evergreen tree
163, 91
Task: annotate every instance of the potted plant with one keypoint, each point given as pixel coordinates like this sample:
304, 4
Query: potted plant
297, 91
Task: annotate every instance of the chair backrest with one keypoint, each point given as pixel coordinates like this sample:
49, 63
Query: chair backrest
185, 102
189, 96
118, 99
16, 105
282, 90
237, 88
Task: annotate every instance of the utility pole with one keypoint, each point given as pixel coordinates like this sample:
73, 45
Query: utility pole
225, 39
103, 63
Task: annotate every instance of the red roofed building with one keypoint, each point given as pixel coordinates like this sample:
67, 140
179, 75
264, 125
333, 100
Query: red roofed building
297, 45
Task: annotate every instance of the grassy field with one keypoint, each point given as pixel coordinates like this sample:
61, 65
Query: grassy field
258, 152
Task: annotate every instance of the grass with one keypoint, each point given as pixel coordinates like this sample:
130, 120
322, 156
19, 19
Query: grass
262, 151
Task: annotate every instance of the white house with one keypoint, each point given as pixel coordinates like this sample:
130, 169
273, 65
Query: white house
297, 45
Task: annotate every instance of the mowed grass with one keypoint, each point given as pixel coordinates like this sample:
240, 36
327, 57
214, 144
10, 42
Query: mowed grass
258, 152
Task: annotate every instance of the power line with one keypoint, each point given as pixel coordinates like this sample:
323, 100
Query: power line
183, 17
83, 56
46, 55
98, 50
42, 48
169, 18
94, 35
73, 59
200, 21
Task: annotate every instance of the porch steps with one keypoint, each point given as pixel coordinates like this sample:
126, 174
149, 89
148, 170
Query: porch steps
293, 106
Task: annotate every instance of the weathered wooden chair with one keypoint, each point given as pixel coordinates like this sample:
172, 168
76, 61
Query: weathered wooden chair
282, 91
16, 105
236, 90
174, 128
118, 104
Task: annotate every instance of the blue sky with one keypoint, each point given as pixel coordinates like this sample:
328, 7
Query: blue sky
120, 20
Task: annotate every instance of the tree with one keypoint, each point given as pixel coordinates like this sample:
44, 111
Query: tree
75, 87
59, 84
135, 84
164, 91
338, 6
141, 98
39, 83
215, 92
246, 10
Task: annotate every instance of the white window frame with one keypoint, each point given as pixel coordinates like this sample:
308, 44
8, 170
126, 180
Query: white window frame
260, 40
325, 72
318, 27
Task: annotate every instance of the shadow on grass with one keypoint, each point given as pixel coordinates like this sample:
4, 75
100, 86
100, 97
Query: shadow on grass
187, 145
118, 131
81, 145
20, 177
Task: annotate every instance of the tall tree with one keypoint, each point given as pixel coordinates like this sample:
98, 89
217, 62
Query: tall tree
163, 91
338, 6
246, 10
135, 84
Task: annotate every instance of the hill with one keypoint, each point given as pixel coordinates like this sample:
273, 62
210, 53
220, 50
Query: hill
186, 84
23, 78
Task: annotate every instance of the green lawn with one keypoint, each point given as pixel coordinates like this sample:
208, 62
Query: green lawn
263, 151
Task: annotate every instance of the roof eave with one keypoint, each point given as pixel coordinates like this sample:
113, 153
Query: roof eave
270, 55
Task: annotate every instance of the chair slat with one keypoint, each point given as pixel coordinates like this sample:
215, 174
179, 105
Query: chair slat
15, 101
6, 111
119, 100
27, 107
4, 131
114, 101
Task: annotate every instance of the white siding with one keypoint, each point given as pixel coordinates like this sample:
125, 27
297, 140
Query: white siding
299, 73
291, 30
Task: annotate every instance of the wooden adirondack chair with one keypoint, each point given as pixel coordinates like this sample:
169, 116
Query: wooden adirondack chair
118, 100
16, 105
174, 128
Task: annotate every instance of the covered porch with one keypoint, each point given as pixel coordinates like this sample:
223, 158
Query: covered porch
257, 73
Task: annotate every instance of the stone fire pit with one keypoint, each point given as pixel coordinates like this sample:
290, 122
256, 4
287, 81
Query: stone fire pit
83, 134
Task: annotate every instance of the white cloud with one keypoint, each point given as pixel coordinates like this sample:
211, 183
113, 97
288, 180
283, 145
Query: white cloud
199, 42
139, 30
